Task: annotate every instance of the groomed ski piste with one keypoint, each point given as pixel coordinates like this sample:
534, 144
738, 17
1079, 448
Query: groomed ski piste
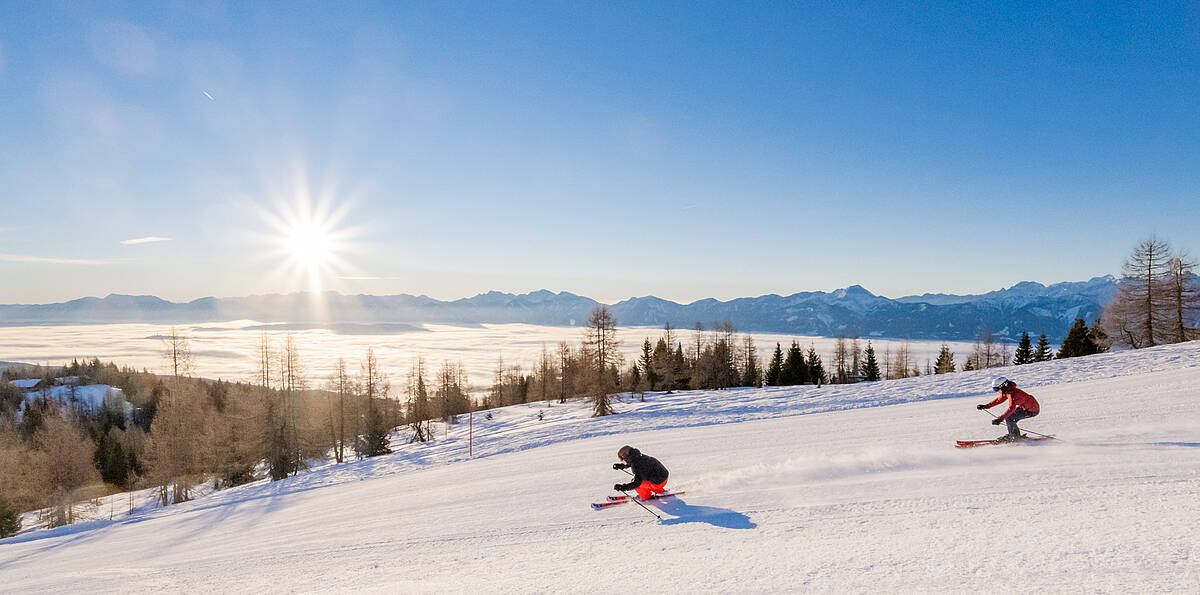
853, 488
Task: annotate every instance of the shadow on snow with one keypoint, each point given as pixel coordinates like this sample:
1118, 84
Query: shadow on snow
717, 517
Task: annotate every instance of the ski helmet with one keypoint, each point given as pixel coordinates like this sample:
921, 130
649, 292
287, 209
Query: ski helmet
626, 452
999, 382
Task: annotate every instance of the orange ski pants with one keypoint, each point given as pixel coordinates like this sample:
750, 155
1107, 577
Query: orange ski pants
647, 489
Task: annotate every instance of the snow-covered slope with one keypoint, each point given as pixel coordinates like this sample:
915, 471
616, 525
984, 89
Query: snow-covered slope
831, 489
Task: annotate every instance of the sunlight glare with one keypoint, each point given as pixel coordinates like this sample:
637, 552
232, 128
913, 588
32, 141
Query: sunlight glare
310, 245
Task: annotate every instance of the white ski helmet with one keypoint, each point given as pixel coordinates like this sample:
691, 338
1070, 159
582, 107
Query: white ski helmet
999, 382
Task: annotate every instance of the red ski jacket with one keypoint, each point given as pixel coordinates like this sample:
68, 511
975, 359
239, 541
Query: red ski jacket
1016, 398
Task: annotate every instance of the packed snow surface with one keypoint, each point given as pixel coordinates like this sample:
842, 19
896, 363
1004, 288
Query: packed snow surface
831, 489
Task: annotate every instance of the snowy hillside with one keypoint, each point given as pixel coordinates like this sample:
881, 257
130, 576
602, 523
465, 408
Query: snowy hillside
71, 395
832, 489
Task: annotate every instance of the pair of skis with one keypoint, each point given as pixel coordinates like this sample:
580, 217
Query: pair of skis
617, 500
976, 443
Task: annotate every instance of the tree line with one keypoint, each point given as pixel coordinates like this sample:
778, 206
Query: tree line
175, 432
1158, 298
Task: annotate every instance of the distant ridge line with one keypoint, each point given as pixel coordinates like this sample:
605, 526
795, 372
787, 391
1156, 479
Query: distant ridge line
850, 311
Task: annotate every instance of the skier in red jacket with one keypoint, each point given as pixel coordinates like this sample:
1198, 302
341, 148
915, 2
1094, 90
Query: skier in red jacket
1021, 405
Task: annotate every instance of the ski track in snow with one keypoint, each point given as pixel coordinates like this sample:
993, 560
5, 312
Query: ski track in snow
834, 489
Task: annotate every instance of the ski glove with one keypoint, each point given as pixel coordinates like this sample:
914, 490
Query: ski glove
618, 487
619, 466
997, 421
981, 406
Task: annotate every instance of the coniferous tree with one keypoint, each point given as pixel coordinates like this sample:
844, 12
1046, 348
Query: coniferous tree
775, 369
816, 371
420, 408
373, 437
1079, 341
1182, 298
237, 440
566, 371
1042, 352
795, 369
945, 361
663, 365
179, 441
637, 384
647, 364
339, 392
67, 455
10, 519
841, 360
451, 391
682, 374
601, 347
871, 365
1139, 316
1024, 353
752, 374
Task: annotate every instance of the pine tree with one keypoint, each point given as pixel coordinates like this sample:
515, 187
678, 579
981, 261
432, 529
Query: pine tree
1139, 315
816, 372
601, 346
663, 365
1079, 341
374, 435
1024, 353
1042, 352
1183, 297
752, 375
10, 520
647, 364
945, 361
420, 409
871, 367
680, 369
775, 370
67, 455
795, 370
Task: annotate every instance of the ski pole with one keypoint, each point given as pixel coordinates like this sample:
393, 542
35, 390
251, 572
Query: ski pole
1030, 431
638, 500
639, 503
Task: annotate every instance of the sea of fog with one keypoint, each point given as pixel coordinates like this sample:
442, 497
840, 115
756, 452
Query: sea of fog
228, 350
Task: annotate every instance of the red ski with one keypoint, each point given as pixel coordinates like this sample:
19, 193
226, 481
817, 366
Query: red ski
975, 443
615, 500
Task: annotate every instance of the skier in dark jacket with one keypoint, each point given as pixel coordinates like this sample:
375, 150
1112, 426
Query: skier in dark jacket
649, 475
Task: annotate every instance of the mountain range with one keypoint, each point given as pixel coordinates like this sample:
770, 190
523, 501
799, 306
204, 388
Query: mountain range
852, 311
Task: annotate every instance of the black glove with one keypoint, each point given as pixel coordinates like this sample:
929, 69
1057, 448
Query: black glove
997, 421
981, 407
619, 466
618, 487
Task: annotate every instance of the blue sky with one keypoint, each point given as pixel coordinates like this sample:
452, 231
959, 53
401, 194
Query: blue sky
684, 150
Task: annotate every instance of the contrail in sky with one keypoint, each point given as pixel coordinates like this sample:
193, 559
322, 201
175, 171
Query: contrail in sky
48, 260
145, 240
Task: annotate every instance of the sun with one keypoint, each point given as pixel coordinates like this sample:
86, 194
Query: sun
308, 240
310, 245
